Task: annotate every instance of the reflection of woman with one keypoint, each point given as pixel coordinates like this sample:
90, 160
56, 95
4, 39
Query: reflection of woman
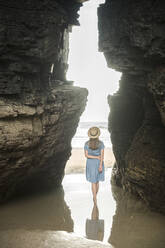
94, 152
95, 227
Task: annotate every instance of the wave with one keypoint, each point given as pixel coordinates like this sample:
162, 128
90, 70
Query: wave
85, 125
81, 135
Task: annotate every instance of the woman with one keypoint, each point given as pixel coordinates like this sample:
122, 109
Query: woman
94, 152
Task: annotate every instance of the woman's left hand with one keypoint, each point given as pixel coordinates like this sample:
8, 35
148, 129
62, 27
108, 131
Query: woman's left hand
100, 168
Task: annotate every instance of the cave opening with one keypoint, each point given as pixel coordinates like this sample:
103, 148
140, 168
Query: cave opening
88, 68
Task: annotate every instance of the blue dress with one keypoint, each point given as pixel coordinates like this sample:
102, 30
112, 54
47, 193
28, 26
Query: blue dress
92, 164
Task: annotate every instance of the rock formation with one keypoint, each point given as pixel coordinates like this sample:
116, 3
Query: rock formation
132, 37
39, 109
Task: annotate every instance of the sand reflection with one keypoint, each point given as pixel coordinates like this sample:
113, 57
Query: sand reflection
134, 225
95, 226
46, 211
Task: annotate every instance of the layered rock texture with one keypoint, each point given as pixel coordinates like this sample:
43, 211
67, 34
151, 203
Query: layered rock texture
39, 109
132, 37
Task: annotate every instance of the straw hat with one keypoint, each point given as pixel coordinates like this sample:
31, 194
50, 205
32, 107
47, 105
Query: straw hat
94, 132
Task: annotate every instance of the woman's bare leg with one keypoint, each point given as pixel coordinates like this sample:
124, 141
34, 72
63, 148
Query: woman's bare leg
95, 213
94, 192
97, 187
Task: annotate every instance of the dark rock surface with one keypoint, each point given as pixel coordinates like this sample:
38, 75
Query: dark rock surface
132, 34
35, 137
38, 115
132, 37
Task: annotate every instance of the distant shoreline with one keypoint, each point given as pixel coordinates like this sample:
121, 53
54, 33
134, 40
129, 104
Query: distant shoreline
77, 161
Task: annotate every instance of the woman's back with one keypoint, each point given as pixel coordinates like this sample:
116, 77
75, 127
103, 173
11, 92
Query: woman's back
95, 152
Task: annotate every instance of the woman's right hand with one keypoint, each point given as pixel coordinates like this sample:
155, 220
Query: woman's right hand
100, 168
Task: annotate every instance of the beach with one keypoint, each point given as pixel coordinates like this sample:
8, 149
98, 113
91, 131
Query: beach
77, 161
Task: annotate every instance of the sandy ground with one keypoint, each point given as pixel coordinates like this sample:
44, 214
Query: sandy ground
77, 161
31, 221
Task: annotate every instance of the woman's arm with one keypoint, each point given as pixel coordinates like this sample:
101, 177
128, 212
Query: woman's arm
91, 156
101, 160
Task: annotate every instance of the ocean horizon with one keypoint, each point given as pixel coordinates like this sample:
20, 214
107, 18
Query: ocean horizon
81, 135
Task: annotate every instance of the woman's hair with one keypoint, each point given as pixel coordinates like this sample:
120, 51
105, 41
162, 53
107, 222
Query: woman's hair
93, 143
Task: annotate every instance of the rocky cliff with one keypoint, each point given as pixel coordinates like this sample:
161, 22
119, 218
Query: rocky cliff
132, 37
39, 109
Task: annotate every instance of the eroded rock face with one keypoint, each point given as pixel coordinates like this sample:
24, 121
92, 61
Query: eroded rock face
132, 37
36, 137
39, 109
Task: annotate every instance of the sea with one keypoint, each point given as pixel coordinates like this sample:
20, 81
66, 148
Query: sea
81, 135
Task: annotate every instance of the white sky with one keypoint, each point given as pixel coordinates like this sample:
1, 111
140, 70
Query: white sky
87, 66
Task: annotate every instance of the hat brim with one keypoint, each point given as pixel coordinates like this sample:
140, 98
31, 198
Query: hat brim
94, 136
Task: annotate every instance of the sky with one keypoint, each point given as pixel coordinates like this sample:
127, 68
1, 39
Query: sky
87, 66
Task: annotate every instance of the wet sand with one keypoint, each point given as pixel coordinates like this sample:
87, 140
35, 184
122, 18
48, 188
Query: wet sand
77, 161
79, 200
47, 239
126, 222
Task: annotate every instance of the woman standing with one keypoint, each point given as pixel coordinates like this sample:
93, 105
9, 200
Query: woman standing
94, 152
